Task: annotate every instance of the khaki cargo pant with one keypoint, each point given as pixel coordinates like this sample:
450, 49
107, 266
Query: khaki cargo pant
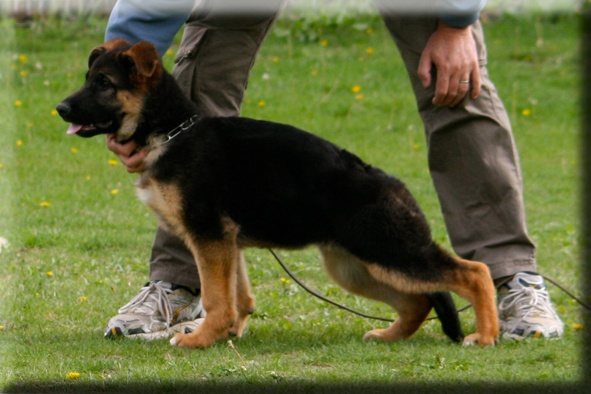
471, 152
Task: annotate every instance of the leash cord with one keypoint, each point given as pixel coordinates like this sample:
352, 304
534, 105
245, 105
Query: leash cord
341, 306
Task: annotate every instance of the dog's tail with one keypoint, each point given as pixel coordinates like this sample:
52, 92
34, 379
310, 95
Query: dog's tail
447, 313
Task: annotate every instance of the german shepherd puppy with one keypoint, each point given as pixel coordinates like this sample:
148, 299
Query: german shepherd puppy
224, 184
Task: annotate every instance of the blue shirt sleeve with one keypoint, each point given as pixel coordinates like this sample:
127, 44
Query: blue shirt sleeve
460, 13
155, 21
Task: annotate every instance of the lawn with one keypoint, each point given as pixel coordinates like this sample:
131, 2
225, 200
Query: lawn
79, 240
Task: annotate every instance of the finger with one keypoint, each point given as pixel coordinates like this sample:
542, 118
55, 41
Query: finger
476, 83
126, 149
442, 91
135, 162
461, 88
424, 70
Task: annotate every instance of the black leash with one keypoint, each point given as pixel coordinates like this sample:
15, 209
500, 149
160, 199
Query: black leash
341, 306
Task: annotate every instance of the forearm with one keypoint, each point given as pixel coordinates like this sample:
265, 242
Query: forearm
156, 21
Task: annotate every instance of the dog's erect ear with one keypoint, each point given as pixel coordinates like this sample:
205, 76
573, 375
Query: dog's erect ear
144, 59
107, 46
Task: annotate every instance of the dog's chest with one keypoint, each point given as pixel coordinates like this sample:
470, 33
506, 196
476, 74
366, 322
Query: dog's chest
145, 194
162, 198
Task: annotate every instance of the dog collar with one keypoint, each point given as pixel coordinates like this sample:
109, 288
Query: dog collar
180, 128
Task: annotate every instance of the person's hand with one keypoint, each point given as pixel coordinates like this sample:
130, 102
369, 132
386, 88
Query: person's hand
130, 156
452, 51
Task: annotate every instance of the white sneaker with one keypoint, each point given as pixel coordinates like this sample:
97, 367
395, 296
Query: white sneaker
525, 309
158, 311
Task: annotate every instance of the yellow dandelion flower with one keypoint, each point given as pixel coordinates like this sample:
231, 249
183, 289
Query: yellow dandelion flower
53, 112
73, 375
356, 89
23, 59
275, 59
18, 103
578, 326
113, 162
45, 204
314, 73
370, 50
170, 52
416, 146
88, 177
526, 112
1, 165
74, 150
324, 43
49, 274
115, 191
1, 327
261, 103
82, 298
369, 30
19, 143
285, 281
23, 73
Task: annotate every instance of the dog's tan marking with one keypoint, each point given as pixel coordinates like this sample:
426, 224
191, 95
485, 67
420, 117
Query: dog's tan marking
474, 283
222, 284
225, 289
131, 106
105, 47
471, 281
147, 64
404, 283
156, 149
165, 200
355, 276
245, 301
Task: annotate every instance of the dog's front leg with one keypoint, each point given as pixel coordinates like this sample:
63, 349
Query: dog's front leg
217, 262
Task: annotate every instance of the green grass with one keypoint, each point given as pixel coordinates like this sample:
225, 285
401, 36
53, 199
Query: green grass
73, 263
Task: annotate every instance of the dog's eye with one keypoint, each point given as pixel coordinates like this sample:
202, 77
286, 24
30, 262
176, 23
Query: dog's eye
105, 82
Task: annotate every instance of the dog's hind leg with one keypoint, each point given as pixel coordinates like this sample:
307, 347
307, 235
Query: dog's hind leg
352, 274
473, 282
244, 298
470, 280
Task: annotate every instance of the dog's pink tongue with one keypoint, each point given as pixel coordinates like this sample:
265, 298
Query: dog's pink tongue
74, 128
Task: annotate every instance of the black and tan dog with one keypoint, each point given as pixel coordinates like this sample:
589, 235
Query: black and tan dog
224, 184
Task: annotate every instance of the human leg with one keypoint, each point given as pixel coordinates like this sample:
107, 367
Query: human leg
212, 67
475, 169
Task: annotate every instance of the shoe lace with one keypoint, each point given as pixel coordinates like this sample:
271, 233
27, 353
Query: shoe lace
528, 301
151, 297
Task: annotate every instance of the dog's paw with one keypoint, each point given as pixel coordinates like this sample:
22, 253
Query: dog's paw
382, 335
480, 340
190, 340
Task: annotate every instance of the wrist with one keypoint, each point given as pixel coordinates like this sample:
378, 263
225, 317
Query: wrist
449, 29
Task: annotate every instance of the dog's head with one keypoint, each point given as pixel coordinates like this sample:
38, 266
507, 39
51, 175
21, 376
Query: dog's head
111, 100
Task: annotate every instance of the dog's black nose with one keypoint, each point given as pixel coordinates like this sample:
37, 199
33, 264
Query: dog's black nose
63, 109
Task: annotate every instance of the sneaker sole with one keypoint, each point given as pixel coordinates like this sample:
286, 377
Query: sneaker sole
184, 328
